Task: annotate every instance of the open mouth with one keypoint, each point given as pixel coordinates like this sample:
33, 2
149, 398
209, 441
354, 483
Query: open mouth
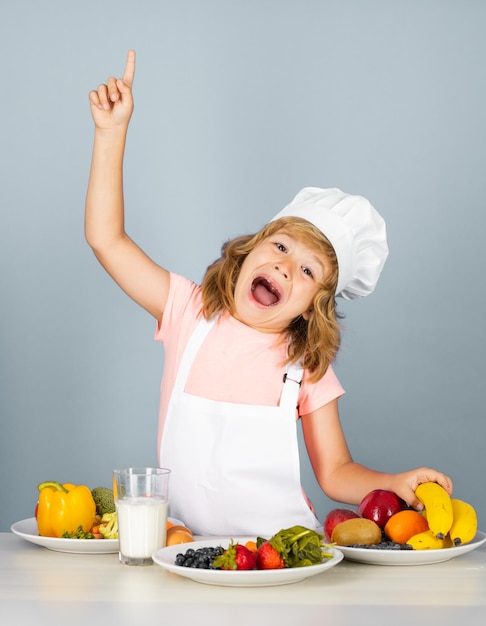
264, 292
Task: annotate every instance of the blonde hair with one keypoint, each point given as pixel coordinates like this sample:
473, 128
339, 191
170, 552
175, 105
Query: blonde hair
313, 342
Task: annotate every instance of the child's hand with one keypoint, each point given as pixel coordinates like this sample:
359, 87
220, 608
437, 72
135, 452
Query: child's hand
112, 104
404, 484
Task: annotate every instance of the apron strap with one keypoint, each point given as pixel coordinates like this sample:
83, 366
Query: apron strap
290, 392
195, 341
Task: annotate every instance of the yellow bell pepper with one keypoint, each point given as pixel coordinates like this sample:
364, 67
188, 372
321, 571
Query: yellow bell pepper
64, 508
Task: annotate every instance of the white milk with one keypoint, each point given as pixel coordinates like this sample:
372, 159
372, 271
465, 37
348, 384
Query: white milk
142, 525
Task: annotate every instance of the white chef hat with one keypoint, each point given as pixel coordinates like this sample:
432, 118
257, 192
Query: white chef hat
355, 229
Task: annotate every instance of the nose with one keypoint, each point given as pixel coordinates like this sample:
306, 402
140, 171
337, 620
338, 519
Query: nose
280, 267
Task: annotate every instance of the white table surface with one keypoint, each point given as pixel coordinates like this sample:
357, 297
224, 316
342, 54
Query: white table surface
40, 586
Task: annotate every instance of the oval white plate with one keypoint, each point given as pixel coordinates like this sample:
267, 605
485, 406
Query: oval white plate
410, 557
165, 557
27, 529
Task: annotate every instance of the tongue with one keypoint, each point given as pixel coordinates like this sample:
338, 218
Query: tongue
264, 295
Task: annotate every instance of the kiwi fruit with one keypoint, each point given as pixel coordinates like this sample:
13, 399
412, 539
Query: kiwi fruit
356, 531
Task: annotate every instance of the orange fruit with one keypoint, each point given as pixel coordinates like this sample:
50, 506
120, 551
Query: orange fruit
169, 524
405, 524
251, 545
178, 534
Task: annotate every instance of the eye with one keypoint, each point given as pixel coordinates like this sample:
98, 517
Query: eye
280, 246
307, 272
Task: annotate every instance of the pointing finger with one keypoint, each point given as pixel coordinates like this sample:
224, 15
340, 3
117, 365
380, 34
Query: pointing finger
129, 73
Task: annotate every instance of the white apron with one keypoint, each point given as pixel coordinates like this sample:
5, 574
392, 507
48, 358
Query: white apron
234, 467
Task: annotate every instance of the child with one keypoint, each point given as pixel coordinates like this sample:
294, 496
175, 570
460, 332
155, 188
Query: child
249, 351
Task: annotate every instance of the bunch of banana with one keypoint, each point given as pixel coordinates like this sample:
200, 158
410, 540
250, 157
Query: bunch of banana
452, 522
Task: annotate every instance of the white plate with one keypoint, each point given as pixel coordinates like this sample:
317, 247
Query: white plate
250, 578
410, 557
27, 529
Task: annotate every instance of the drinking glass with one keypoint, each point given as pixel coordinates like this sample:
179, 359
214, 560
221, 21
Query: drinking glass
142, 503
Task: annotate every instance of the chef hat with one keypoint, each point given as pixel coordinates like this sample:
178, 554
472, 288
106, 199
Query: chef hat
355, 229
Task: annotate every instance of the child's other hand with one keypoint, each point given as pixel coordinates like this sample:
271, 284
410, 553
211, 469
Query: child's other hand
112, 104
404, 484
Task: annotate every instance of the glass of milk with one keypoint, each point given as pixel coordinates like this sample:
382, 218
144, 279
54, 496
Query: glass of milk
142, 503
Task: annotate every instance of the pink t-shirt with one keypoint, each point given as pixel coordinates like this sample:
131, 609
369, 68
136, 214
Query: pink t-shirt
235, 363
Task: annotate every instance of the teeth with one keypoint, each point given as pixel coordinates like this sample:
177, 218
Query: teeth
269, 286
262, 281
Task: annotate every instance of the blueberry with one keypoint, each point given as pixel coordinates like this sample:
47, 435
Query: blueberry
384, 545
202, 558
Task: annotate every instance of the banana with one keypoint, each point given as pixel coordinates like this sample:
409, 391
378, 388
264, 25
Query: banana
427, 540
438, 504
465, 522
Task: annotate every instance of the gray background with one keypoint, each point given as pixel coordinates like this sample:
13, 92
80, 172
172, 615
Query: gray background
239, 104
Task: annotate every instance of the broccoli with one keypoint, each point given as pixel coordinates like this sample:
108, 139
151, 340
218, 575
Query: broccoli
109, 526
79, 533
104, 500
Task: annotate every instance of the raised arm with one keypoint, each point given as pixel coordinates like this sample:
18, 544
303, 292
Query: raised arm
141, 278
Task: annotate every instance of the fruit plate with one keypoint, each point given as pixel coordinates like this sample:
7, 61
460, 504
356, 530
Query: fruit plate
165, 557
410, 557
27, 529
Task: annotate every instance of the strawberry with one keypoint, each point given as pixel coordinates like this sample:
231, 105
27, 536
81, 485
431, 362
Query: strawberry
267, 557
236, 556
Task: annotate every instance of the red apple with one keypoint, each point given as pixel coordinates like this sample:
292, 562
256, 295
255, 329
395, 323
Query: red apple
335, 517
379, 505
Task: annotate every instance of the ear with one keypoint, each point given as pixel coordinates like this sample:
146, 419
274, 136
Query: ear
307, 314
